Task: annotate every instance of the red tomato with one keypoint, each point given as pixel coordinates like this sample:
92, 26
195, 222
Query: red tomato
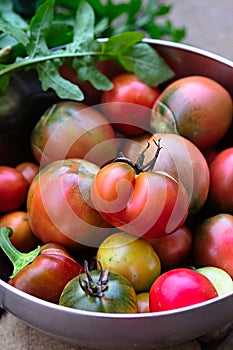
197, 108
213, 242
179, 288
147, 204
180, 158
13, 188
29, 170
128, 105
59, 205
173, 249
221, 181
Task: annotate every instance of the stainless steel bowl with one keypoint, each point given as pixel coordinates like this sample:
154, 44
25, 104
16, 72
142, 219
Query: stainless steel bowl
137, 331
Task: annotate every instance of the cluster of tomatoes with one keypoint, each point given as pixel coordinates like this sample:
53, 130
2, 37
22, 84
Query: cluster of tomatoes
130, 200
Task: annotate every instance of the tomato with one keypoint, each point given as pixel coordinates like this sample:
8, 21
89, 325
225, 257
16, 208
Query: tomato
195, 107
221, 182
180, 158
43, 272
137, 201
102, 291
213, 241
135, 259
143, 302
178, 288
128, 105
71, 129
13, 189
220, 279
29, 170
59, 205
22, 238
173, 249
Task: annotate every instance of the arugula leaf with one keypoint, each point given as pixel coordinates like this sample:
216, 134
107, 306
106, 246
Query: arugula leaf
39, 28
82, 54
50, 78
14, 32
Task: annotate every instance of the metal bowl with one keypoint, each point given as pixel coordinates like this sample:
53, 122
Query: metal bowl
135, 331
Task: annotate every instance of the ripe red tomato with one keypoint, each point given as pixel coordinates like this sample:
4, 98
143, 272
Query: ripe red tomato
180, 158
197, 108
59, 205
173, 249
13, 189
145, 203
221, 181
179, 288
29, 170
128, 105
213, 242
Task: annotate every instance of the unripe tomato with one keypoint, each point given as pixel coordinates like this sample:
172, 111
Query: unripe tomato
133, 258
100, 291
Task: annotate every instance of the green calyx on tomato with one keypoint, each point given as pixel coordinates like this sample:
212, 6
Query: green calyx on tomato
91, 287
18, 259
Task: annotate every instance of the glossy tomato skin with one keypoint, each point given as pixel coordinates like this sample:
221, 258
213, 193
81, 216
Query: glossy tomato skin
59, 205
13, 189
119, 296
48, 274
149, 205
133, 258
29, 170
180, 158
22, 238
173, 249
128, 105
213, 241
221, 182
179, 288
197, 108
71, 129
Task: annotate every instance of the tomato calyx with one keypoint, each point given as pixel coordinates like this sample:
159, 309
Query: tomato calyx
95, 289
18, 259
139, 165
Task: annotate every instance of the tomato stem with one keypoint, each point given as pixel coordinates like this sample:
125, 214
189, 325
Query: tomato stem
139, 165
18, 259
91, 287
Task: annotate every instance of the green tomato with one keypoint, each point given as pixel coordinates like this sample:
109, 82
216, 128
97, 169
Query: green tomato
133, 258
221, 280
100, 291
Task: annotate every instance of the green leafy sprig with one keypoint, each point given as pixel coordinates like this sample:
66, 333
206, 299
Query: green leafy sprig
82, 53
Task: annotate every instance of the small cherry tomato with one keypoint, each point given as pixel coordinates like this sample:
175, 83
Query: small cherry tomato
178, 288
29, 170
128, 105
143, 302
133, 258
22, 238
138, 201
13, 189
